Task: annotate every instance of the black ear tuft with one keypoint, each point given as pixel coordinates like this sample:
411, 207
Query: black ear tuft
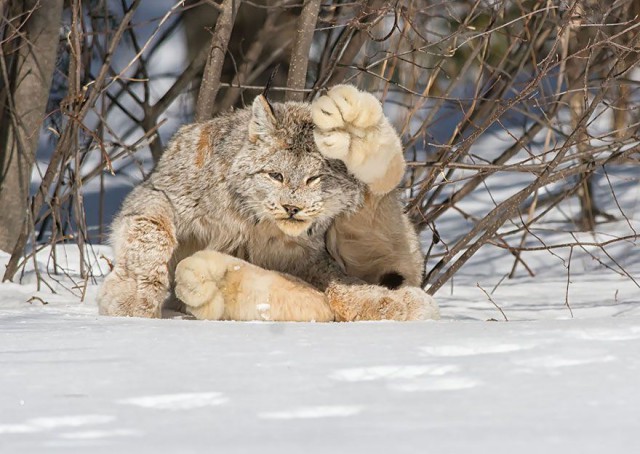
272, 76
391, 280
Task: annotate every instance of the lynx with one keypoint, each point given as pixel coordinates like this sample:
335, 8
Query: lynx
275, 212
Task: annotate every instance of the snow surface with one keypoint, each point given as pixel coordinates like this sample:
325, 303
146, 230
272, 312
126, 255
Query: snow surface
72, 381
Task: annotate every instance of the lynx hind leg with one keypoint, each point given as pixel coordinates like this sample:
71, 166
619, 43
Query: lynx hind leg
377, 243
371, 302
216, 286
351, 126
139, 282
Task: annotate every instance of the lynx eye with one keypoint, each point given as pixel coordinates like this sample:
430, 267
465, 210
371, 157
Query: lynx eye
312, 180
276, 176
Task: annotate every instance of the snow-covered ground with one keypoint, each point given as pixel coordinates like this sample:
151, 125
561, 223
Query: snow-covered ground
73, 382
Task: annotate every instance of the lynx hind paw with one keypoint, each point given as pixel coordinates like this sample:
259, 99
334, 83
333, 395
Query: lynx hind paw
197, 282
344, 106
420, 305
372, 302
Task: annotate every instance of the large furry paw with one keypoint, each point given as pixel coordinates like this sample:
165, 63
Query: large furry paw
121, 295
350, 126
420, 305
198, 281
342, 118
371, 302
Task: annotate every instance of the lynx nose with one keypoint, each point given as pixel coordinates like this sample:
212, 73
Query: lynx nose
291, 210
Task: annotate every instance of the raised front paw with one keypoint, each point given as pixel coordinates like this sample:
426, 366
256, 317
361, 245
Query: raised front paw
344, 106
342, 117
350, 126
198, 282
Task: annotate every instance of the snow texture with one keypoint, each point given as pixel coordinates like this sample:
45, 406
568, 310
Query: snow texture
72, 381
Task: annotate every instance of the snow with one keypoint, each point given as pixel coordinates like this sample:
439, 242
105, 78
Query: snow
72, 381
78, 382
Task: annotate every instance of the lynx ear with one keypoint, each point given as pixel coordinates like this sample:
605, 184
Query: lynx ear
263, 120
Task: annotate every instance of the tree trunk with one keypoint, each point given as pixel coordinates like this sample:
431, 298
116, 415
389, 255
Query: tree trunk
300, 57
26, 73
213, 70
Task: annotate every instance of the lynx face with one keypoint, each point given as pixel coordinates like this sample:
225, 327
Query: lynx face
288, 181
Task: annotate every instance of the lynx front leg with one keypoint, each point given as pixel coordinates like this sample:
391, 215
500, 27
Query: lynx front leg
217, 286
139, 283
351, 127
